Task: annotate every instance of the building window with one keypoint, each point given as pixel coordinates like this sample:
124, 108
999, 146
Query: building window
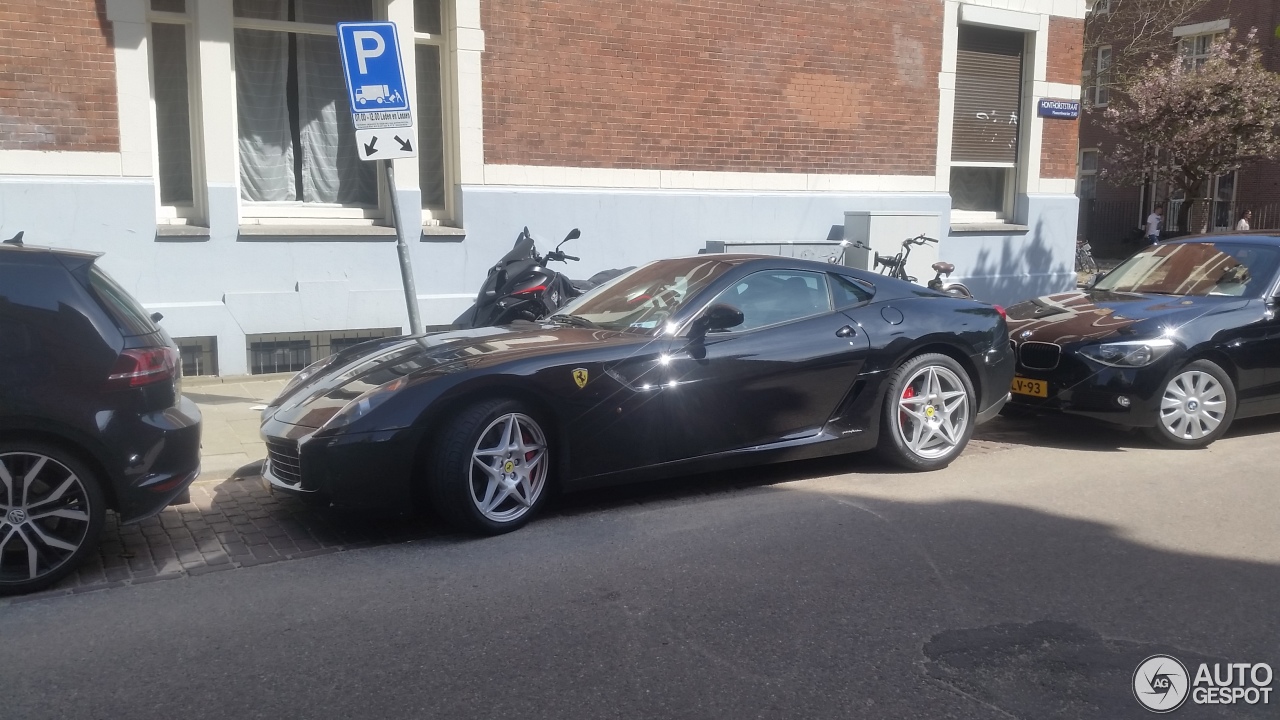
291, 352
1102, 7
429, 44
199, 355
296, 139
986, 135
170, 32
1101, 85
1194, 49
1088, 188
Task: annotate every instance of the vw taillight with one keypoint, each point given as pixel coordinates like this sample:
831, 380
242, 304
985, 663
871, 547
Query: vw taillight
137, 367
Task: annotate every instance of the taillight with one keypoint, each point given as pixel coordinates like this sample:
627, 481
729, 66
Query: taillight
530, 290
142, 366
1000, 309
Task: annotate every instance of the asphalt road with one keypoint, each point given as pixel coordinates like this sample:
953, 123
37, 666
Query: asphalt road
1027, 582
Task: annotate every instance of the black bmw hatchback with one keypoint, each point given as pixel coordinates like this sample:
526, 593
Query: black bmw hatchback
1179, 340
91, 413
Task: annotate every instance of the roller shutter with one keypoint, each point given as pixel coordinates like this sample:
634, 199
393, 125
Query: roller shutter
988, 96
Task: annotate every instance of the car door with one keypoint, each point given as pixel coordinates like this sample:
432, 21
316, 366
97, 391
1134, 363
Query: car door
779, 375
613, 408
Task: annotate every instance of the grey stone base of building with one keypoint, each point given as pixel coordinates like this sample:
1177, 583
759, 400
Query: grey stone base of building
233, 285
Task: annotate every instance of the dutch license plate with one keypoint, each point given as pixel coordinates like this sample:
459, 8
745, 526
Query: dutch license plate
1027, 386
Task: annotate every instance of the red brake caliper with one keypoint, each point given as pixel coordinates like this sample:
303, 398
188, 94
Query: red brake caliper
907, 394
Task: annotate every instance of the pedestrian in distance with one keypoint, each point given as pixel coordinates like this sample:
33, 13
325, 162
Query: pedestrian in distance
1245, 217
1154, 221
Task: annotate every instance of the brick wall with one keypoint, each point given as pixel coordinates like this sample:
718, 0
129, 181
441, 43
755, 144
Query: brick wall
57, 77
1066, 45
1058, 148
774, 85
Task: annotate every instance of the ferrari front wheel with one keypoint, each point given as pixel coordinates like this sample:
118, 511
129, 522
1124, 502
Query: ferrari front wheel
928, 414
488, 470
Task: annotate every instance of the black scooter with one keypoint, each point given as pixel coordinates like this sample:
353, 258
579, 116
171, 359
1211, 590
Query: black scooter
520, 286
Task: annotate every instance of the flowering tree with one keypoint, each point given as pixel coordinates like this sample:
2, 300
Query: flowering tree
1134, 30
1188, 124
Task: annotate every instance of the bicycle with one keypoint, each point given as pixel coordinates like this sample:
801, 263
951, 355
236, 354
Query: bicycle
895, 266
1084, 257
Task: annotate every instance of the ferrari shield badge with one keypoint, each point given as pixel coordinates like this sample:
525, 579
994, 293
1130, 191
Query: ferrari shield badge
580, 376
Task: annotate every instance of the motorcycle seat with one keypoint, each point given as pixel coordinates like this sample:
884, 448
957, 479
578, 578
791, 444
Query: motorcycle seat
944, 268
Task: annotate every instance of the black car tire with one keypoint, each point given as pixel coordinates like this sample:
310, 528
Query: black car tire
1163, 435
90, 495
893, 445
452, 483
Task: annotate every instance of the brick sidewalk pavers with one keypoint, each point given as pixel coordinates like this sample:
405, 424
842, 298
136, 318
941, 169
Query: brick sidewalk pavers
228, 524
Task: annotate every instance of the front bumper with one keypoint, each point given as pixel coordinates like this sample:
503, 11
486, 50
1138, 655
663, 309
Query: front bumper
1123, 396
372, 470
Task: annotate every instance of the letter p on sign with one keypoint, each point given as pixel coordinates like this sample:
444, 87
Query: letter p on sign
364, 50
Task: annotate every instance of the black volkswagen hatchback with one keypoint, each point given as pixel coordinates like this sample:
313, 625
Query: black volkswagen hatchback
1180, 339
91, 413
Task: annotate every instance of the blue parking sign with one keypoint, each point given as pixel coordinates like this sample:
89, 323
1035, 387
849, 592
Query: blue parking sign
371, 63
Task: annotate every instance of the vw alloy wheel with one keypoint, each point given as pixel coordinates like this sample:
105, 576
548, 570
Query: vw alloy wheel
1193, 406
509, 468
933, 412
46, 513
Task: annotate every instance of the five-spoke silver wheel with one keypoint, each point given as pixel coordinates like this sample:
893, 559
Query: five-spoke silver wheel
933, 412
46, 516
1193, 406
509, 467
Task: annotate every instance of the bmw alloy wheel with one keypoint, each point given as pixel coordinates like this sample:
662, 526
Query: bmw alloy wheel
46, 514
1193, 406
509, 468
933, 412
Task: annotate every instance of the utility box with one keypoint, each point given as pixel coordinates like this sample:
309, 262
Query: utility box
818, 251
884, 231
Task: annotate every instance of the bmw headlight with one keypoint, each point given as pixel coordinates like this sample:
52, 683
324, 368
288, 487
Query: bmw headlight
365, 404
1130, 353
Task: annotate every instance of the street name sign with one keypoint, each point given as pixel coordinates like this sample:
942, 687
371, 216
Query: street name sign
376, 90
1060, 109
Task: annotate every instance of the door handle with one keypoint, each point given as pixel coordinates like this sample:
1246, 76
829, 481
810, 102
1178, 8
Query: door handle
846, 331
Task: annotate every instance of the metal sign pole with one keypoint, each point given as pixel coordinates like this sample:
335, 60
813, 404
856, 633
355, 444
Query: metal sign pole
402, 247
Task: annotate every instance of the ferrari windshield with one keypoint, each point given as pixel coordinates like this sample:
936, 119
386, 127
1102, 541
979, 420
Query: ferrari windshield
643, 299
1201, 268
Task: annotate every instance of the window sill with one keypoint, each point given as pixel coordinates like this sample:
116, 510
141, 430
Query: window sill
441, 233
316, 233
989, 227
181, 233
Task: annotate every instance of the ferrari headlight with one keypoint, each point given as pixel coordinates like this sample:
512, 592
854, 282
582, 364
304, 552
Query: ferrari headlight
365, 404
1130, 353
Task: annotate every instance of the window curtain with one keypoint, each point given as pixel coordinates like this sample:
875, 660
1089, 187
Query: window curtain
173, 112
297, 141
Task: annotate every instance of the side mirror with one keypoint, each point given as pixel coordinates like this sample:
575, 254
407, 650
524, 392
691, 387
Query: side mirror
574, 234
156, 317
716, 318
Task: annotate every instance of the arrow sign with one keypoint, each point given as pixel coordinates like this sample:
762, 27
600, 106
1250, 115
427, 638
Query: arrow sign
385, 144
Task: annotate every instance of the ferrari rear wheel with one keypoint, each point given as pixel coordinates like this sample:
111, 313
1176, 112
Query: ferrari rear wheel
928, 413
488, 470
